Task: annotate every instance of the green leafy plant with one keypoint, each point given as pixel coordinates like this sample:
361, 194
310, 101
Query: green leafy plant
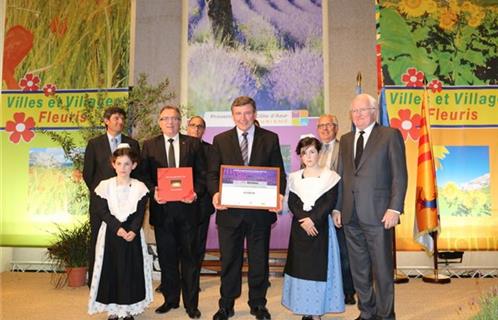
71, 245
455, 41
489, 306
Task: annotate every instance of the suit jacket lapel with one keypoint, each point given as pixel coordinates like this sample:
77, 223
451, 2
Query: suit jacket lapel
161, 150
333, 163
105, 145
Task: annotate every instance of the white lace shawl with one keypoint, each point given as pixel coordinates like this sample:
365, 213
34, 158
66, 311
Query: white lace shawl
311, 188
108, 189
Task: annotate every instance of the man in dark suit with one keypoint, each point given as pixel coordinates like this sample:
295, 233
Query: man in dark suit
327, 128
372, 164
97, 167
246, 144
196, 127
175, 222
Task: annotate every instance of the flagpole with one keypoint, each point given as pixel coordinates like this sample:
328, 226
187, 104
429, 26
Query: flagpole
436, 277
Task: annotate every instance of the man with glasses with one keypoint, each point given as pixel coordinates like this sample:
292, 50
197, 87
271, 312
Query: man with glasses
175, 222
97, 167
372, 164
327, 128
195, 128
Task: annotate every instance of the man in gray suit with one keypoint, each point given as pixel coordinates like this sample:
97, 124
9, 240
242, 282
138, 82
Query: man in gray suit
372, 190
327, 128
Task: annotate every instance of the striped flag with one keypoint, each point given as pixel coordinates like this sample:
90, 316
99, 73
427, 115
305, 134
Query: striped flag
426, 211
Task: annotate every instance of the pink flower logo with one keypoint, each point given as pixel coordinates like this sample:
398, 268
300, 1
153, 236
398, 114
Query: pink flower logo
413, 78
20, 127
49, 89
408, 125
29, 82
435, 86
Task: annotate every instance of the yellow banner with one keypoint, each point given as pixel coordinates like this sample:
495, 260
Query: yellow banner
464, 131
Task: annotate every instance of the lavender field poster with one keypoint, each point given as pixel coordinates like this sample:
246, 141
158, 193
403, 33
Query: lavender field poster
270, 50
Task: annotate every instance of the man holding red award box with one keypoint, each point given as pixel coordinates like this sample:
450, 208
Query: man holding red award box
171, 162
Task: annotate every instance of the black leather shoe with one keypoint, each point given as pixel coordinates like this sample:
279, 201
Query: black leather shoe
261, 313
165, 307
128, 318
371, 318
194, 313
349, 298
223, 314
307, 318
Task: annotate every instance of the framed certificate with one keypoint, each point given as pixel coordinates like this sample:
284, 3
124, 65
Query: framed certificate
174, 184
249, 187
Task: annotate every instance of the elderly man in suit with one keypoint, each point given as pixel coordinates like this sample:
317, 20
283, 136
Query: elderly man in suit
245, 144
196, 127
175, 222
327, 128
372, 164
97, 167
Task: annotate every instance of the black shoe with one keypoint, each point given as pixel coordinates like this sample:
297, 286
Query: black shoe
307, 318
349, 298
194, 313
223, 314
261, 313
165, 307
371, 318
128, 318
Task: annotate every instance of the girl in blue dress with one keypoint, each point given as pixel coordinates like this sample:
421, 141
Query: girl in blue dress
312, 274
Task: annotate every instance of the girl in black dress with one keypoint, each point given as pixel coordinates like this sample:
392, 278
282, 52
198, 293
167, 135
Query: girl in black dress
122, 276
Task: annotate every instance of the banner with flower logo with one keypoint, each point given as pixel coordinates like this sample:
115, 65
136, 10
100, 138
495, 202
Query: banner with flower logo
58, 56
451, 47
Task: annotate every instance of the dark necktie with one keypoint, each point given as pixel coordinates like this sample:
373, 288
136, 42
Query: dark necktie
244, 148
171, 154
359, 149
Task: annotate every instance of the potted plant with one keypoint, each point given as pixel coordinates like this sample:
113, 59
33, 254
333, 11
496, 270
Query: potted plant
70, 252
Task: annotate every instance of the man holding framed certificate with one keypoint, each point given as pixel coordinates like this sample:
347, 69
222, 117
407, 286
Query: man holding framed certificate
171, 163
250, 146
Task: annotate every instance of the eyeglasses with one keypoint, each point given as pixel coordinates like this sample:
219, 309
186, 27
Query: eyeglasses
198, 126
326, 125
361, 110
172, 119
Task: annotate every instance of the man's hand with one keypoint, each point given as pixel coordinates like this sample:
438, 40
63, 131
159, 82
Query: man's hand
216, 202
156, 197
390, 219
279, 204
309, 226
337, 218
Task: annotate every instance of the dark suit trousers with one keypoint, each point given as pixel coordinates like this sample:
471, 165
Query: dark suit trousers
176, 239
202, 233
371, 256
232, 252
347, 278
